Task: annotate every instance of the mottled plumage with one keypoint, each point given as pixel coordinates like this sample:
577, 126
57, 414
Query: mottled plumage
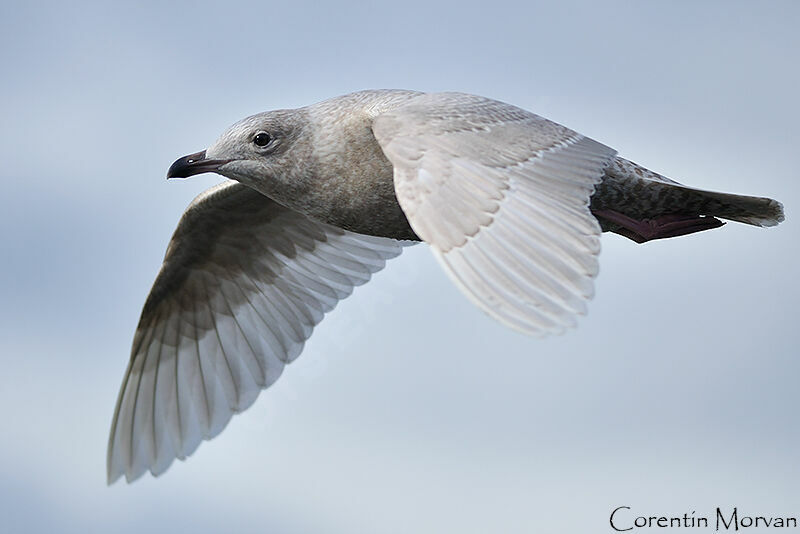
511, 204
641, 194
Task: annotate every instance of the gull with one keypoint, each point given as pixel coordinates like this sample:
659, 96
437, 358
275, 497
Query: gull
511, 204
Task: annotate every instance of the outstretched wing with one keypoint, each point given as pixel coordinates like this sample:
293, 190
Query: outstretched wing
502, 196
243, 284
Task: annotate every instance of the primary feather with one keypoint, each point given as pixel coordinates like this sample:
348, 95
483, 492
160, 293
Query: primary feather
243, 284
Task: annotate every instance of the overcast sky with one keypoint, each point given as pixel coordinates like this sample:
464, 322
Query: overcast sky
409, 410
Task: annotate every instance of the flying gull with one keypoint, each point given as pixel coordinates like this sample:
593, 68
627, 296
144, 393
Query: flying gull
511, 204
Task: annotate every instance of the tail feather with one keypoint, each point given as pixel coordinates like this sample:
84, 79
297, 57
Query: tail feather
758, 211
642, 194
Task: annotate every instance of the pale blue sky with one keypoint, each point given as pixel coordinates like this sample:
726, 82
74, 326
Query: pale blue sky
410, 410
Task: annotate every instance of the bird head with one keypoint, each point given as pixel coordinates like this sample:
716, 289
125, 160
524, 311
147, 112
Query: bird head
251, 151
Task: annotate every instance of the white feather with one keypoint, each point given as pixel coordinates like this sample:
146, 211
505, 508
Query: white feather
502, 196
232, 305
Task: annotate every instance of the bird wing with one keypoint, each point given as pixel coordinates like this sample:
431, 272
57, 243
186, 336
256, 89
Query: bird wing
502, 196
243, 283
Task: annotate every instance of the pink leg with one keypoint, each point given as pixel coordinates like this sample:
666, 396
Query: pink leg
660, 227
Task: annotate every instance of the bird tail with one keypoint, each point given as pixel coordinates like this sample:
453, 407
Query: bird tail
758, 211
643, 205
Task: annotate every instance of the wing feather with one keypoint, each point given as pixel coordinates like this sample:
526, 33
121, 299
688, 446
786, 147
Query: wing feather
243, 284
502, 196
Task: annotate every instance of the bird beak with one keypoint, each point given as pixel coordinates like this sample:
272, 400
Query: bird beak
194, 164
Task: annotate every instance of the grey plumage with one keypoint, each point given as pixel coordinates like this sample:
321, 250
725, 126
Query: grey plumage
243, 284
641, 194
511, 204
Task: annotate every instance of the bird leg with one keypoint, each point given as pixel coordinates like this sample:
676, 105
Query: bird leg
660, 227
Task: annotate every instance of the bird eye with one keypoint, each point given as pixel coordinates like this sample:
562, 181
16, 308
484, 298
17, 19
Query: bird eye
262, 139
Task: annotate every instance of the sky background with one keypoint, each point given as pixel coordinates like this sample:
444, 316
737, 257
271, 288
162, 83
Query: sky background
409, 410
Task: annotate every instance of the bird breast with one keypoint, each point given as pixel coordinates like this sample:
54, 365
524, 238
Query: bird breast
353, 182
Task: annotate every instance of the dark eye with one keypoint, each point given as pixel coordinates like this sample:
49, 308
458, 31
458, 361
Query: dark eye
262, 139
